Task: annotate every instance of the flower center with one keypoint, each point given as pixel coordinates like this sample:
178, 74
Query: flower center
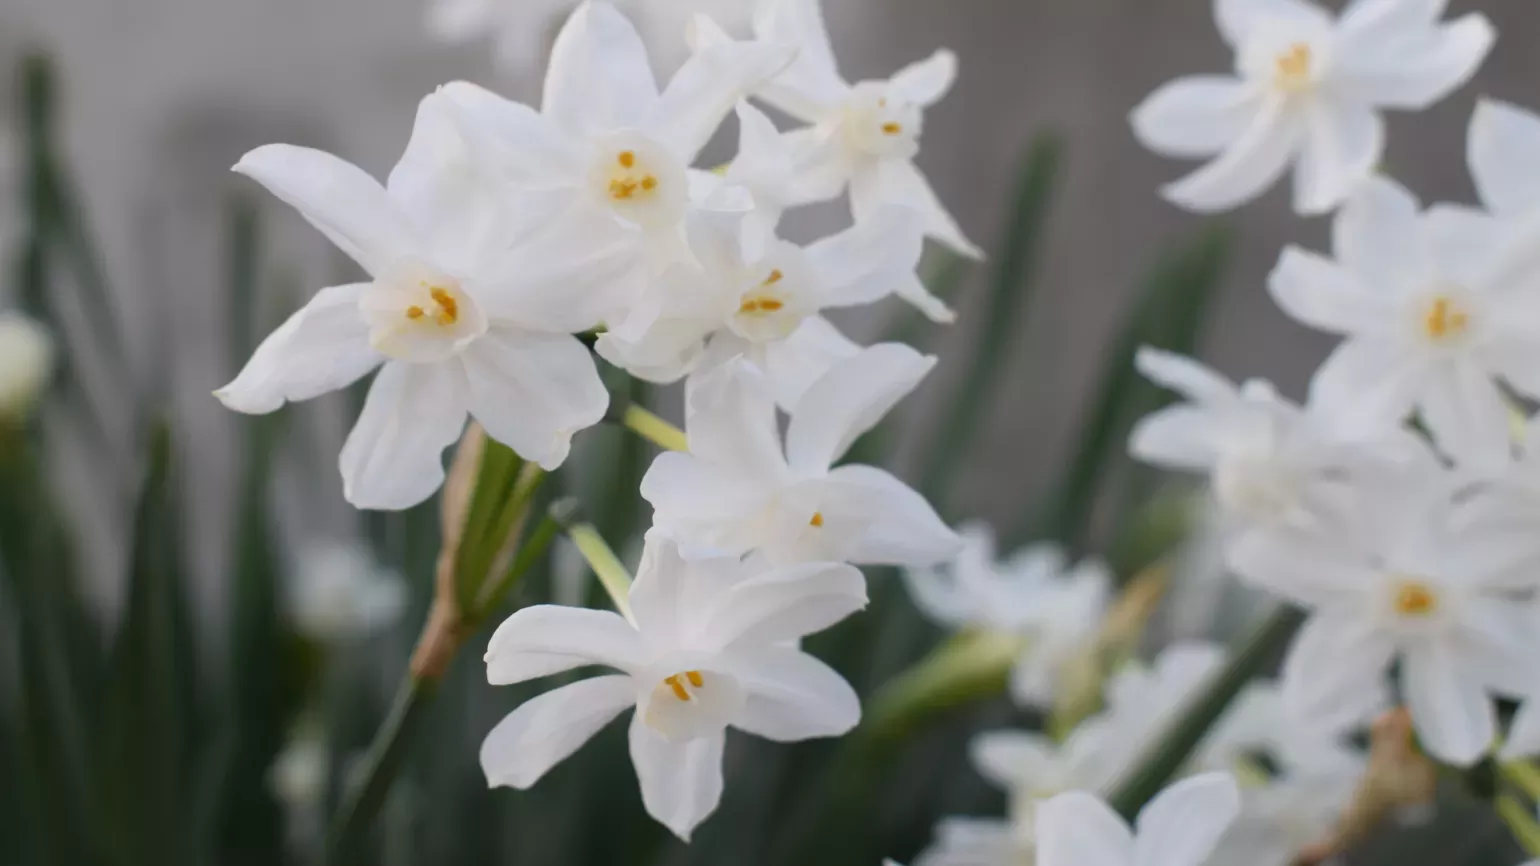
1415, 599
681, 684
817, 521
446, 307
763, 299
1292, 72
690, 703
1444, 319
417, 312
881, 126
630, 182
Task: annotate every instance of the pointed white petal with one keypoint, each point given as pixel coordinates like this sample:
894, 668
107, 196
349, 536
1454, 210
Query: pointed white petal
338, 198
811, 88
548, 639
1184, 375
1335, 669
527, 147
598, 78
1298, 565
1182, 825
546, 729
1195, 116
1503, 148
681, 781
1315, 291
924, 82
707, 86
1178, 437
532, 391
393, 459
784, 604
1467, 415
1251, 164
1501, 640
1462, 243
1342, 145
792, 696
1413, 72
1078, 829
899, 182
1368, 17
705, 505
1014, 761
850, 400
792, 365
1451, 712
869, 260
569, 278
1367, 385
875, 519
322, 347
1377, 232
730, 420
1523, 740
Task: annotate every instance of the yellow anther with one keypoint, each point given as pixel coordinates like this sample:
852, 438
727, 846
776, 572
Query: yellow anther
1415, 598
621, 190
677, 681
775, 277
414, 312
627, 158
817, 520
649, 183
449, 308
1444, 319
892, 129
695, 678
760, 305
1294, 67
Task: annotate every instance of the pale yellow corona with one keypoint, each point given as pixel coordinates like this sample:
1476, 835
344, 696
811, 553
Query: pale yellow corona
1444, 319
1294, 68
1415, 598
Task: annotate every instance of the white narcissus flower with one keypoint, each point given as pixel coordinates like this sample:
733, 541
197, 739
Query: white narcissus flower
1032, 593
1179, 827
1433, 314
780, 170
1282, 817
339, 593
1502, 149
737, 491
710, 644
1396, 573
26, 363
1307, 90
608, 152
868, 132
464, 316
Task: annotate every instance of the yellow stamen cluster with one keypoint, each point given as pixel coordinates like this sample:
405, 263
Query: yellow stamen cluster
1445, 319
753, 303
448, 308
626, 188
1415, 598
817, 521
1294, 67
677, 681
892, 128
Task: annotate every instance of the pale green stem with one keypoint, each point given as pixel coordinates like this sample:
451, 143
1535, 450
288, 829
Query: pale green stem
1526, 776
612, 573
655, 429
1521, 822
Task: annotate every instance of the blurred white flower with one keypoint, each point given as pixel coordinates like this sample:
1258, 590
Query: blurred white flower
1431, 314
1282, 817
782, 170
298, 775
1179, 827
736, 490
866, 133
1502, 150
1032, 593
1394, 573
1308, 90
711, 645
339, 593
767, 306
26, 364
463, 321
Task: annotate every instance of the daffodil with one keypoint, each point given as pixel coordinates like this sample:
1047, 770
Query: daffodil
1179, 827
1308, 90
709, 644
460, 313
737, 490
868, 132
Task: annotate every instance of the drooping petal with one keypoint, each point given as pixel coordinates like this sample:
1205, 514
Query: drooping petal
924, 82
1377, 231
1195, 116
873, 518
1078, 829
869, 260
792, 365
1315, 291
1451, 712
1251, 164
1184, 375
1183, 824
1014, 761
811, 88
1502, 146
681, 781
1343, 142
782, 604
533, 391
850, 400
548, 639
1467, 415
1335, 668
707, 86
1367, 385
1178, 437
899, 182
671, 595
546, 729
393, 459
598, 78
338, 198
321, 348
792, 696
1415, 70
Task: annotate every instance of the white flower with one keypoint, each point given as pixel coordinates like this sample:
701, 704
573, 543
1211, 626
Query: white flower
463, 320
868, 132
1180, 827
26, 364
298, 775
339, 593
608, 153
1431, 315
1032, 593
1502, 149
780, 170
1281, 817
1394, 572
737, 491
711, 645
1307, 89
767, 306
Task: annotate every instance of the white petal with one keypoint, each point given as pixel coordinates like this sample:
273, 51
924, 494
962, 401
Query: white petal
1467, 415
671, 594
1179, 437
1416, 70
1078, 829
1315, 291
1366, 385
1238, 19
974, 842
1247, 167
337, 197
1377, 231
1195, 116
546, 729
730, 420
518, 140
1342, 145
1184, 375
548, 639
1503, 148
924, 82
598, 78
869, 260
1523, 740
1462, 243
393, 459
707, 86
681, 781
1014, 761
899, 182
875, 519
1299, 565
850, 400
811, 87
792, 365
569, 278
1451, 712
1500, 643
533, 391
793, 696
1182, 825
784, 604
939, 596
1335, 667
1364, 16
322, 347
702, 504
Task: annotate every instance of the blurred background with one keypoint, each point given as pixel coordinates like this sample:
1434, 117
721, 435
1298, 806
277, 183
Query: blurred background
142, 107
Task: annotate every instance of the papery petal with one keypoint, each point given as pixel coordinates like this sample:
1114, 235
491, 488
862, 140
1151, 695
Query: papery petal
1195, 116
598, 78
393, 459
1451, 712
811, 87
1414, 71
1014, 761
1367, 385
784, 604
1299, 565
1462, 243
546, 729
731, 421
529, 148
1184, 375
681, 781
338, 198
876, 519
704, 505
1246, 168
672, 596
1178, 437
1343, 143
792, 365
869, 260
532, 391
1078, 829
1239, 18
792, 696
1335, 665
1315, 291
1503, 149
1467, 415
924, 82
1183, 824
1377, 231
571, 277
850, 400
707, 86
548, 639
899, 182
321, 348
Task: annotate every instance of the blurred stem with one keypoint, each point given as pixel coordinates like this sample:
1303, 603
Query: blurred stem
654, 429
607, 566
1167, 755
1521, 823
380, 766
963, 668
1525, 776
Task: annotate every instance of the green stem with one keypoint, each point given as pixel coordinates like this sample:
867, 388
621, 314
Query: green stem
1167, 755
654, 429
612, 573
382, 763
1521, 823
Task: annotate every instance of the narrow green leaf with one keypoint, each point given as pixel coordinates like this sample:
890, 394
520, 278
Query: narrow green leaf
484, 528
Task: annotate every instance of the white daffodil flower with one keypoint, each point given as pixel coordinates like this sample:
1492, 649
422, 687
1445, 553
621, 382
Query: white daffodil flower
780, 170
1032, 593
710, 644
1281, 817
1179, 827
464, 317
26, 364
767, 307
1433, 313
1394, 572
1308, 89
608, 152
737, 491
339, 593
1502, 149
869, 132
